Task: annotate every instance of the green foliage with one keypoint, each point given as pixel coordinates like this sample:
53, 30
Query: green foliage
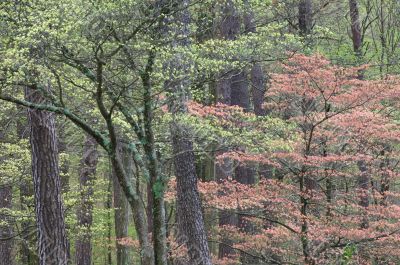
348, 253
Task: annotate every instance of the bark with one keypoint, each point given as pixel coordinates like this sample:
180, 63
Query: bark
121, 214
64, 167
226, 218
189, 213
52, 240
305, 17
356, 34
240, 96
191, 230
87, 173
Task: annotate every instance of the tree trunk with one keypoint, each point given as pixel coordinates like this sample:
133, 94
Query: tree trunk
52, 240
121, 214
356, 34
189, 211
87, 173
157, 182
137, 207
305, 17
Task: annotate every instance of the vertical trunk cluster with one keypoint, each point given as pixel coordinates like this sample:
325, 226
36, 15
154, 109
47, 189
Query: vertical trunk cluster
87, 173
52, 238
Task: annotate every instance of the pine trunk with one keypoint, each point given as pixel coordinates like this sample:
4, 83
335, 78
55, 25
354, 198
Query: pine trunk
191, 230
189, 210
52, 238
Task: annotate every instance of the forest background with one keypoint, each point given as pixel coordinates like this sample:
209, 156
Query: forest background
204, 132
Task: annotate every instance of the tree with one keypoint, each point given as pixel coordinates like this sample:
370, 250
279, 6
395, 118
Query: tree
191, 230
121, 212
305, 17
52, 240
355, 27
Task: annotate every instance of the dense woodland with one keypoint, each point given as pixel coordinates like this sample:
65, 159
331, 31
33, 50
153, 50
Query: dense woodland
199, 132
